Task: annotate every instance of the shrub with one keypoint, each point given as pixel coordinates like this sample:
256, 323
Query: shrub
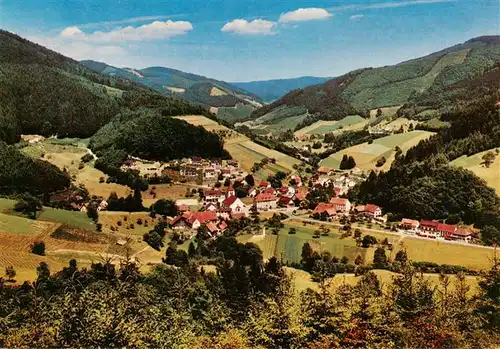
38, 247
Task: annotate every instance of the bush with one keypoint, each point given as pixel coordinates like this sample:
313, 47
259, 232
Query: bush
87, 158
38, 247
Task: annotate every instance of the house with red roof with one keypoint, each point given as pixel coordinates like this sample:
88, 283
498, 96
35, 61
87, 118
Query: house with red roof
223, 212
264, 184
283, 190
461, 233
325, 208
211, 206
264, 202
198, 218
212, 228
269, 191
230, 191
341, 205
300, 194
223, 226
409, 224
428, 228
372, 211
285, 201
180, 222
234, 204
445, 229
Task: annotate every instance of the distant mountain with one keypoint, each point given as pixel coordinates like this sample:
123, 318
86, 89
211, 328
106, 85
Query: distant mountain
408, 83
191, 87
270, 90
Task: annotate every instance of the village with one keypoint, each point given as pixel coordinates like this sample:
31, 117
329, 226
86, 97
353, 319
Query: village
226, 193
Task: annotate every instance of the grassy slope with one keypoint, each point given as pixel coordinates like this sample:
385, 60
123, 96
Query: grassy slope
366, 155
393, 85
474, 163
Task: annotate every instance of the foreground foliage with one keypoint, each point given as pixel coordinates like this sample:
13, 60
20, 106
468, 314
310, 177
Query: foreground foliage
247, 303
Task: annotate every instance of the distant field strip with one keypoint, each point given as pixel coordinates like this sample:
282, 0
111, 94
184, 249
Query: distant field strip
366, 155
350, 122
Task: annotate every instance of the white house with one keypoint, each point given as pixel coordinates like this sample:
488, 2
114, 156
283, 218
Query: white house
373, 211
341, 205
214, 195
235, 204
263, 202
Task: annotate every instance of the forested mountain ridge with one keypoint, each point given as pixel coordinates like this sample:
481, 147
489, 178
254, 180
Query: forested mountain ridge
421, 184
406, 82
46, 93
270, 90
172, 82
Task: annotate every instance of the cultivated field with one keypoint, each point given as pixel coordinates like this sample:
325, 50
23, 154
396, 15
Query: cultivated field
366, 155
474, 163
242, 148
386, 111
349, 123
288, 247
423, 250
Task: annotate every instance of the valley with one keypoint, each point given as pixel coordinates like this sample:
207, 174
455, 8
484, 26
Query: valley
154, 207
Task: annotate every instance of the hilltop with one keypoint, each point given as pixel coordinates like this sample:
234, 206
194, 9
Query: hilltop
175, 83
361, 91
270, 90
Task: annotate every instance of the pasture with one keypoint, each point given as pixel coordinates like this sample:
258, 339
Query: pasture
66, 154
474, 163
366, 155
422, 249
74, 219
349, 123
288, 248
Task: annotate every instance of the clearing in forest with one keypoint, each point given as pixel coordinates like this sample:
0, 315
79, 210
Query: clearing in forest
475, 164
366, 155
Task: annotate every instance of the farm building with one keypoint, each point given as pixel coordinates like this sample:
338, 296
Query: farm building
341, 205
372, 211
214, 195
461, 233
285, 201
409, 224
264, 202
325, 208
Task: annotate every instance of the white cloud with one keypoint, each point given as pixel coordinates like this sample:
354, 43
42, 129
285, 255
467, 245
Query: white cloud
382, 5
71, 32
80, 50
153, 31
127, 21
305, 14
255, 27
355, 17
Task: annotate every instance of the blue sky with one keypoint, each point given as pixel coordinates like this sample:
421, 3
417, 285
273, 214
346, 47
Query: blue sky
242, 40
